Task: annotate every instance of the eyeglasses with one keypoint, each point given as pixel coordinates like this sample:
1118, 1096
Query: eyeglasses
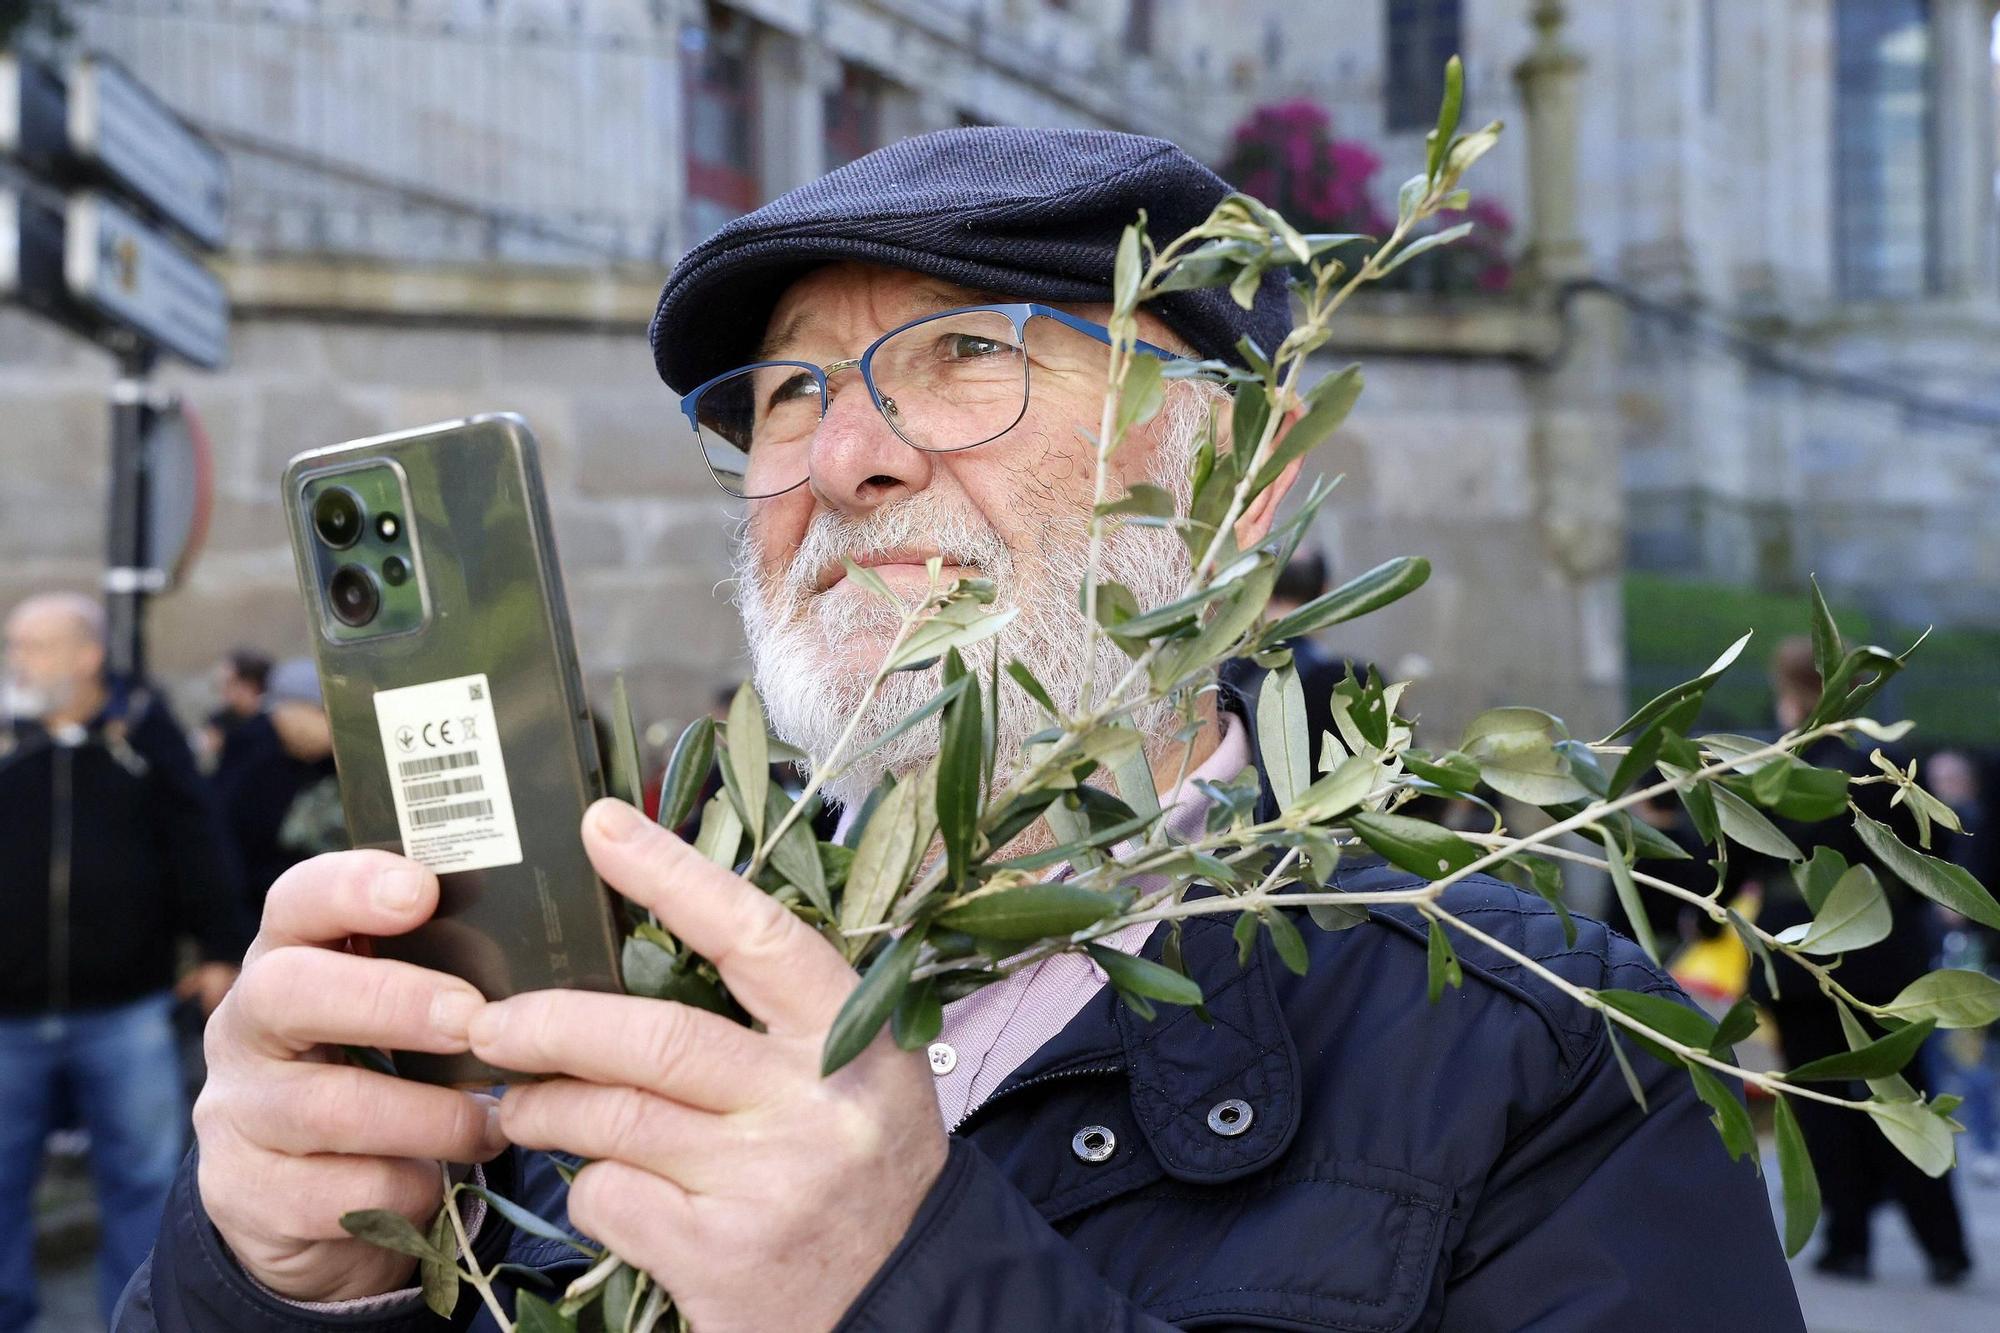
945, 382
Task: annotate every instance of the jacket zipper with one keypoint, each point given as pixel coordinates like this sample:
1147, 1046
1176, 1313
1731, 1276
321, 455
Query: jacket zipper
61, 837
1036, 1081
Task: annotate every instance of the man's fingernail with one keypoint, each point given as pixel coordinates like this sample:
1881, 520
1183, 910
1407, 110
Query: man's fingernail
451, 1014
486, 1025
495, 1137
618, 821
398, 890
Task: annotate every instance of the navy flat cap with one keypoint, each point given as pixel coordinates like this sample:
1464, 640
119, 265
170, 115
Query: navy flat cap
1034, 214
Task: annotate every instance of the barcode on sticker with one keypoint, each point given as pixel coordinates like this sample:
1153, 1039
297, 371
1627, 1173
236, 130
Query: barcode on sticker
449, 778
438, 814
431, 791
437, 763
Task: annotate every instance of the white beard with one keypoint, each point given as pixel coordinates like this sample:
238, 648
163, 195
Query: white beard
799, 639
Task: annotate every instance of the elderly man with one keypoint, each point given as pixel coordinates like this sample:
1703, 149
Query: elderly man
109, 853
911, 343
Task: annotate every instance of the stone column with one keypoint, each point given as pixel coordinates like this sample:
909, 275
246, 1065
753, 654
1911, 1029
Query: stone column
1961, 39
1548, 80
791, 79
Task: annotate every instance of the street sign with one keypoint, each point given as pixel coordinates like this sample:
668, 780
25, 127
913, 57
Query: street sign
121, 131
31, 241
133, 275
32, 126
180, 491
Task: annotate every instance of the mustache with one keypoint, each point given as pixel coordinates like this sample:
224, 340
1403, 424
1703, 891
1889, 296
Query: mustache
926, 521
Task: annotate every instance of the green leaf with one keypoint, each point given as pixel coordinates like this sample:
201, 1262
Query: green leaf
1678, 696
1798, 791
621, 769
687, 772
1144, 977
1940, 881
532, 1314
1743, 824
1336, 793
1800, 1184
1439, 139
1143, 499
1878, 1059
1142, 394
1817, 877
1632, 1084
1731, 1120
392, 1231
1423, 243
882, 861
749, 760
1755, 947
1542, 877
1327, 406
723, 831
1827, 647
1415, 845
959, 791
1669, 1018
1954, 997
1128, 269
919, 1017
1855, 915
1033, 688
1389, 581
1285, 937
1515, 749
524, 1220
1135, 781
1029, 911
1645, 747
869, 1005
1441, 962
1244, 932
1919, 1133
796, 854
955, 625
1452, 771
1628, 894
1889, 1087
439, 1277
1282, 735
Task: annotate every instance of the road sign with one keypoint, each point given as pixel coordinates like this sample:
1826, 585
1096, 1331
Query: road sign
127, 272
116, 128
31, 241
180, 491
32, 117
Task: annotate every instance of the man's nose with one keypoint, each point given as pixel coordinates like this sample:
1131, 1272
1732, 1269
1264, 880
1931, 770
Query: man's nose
856, 464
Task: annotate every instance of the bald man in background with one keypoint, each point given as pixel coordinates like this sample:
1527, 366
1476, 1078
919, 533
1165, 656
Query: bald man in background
110, 854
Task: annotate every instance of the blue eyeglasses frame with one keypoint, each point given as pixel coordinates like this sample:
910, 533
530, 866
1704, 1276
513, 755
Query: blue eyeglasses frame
1018, 314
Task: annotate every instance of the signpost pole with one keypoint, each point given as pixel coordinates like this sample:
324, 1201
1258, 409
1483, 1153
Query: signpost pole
128, 575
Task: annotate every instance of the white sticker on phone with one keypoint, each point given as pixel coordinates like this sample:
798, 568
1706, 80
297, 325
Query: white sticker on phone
445, 769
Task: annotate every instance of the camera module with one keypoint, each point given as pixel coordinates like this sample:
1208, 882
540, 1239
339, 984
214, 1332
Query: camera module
354, 596
337, 517
395, 571
388, 527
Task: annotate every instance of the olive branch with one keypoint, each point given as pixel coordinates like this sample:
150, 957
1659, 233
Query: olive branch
927, 894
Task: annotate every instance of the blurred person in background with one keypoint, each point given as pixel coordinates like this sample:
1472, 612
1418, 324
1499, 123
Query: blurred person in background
1971, 1055
110, 852
1858, 1167
240, 680
276, 786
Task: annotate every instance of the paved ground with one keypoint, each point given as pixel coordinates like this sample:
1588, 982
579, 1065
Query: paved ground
1899, 1300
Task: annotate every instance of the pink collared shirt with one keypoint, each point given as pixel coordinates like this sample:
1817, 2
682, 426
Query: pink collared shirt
991, 1032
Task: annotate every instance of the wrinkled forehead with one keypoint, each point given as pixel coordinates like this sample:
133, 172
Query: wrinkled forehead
845, 302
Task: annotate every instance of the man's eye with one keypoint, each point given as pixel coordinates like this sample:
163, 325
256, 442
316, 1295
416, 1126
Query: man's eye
972, 347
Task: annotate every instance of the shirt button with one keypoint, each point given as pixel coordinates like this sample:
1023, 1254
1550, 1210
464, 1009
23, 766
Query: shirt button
943, 1059
1230, 1118
1093, 1143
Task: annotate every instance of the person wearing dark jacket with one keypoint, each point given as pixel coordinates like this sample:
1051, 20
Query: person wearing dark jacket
1324, 1152
109, 853
270, 762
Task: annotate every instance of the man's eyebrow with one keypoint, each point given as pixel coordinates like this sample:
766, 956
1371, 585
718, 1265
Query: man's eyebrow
928, 300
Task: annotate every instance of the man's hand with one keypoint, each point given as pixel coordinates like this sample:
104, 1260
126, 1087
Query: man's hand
206, 983
291, 1138
761, 1195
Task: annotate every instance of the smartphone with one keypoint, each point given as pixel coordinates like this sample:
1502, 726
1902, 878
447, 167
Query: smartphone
460, 727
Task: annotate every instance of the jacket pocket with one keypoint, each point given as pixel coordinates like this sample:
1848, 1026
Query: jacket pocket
1344, 1245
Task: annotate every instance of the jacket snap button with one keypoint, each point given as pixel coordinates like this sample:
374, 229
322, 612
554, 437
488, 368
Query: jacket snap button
1093, 1143
1230, 1118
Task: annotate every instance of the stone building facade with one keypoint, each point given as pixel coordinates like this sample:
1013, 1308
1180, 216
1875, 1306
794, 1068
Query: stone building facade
448, 206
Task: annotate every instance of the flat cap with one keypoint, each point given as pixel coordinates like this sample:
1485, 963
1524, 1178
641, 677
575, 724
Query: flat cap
1034, 214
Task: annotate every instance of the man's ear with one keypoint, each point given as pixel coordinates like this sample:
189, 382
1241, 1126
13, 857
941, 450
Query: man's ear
1263, 511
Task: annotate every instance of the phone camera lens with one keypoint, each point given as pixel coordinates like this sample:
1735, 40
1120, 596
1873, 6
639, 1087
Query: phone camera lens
388, 527
337, 517
355, 597
395, 571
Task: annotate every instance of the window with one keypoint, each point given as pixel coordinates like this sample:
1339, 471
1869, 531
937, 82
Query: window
721, 121
1423, 35
1882, 109
852, 116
